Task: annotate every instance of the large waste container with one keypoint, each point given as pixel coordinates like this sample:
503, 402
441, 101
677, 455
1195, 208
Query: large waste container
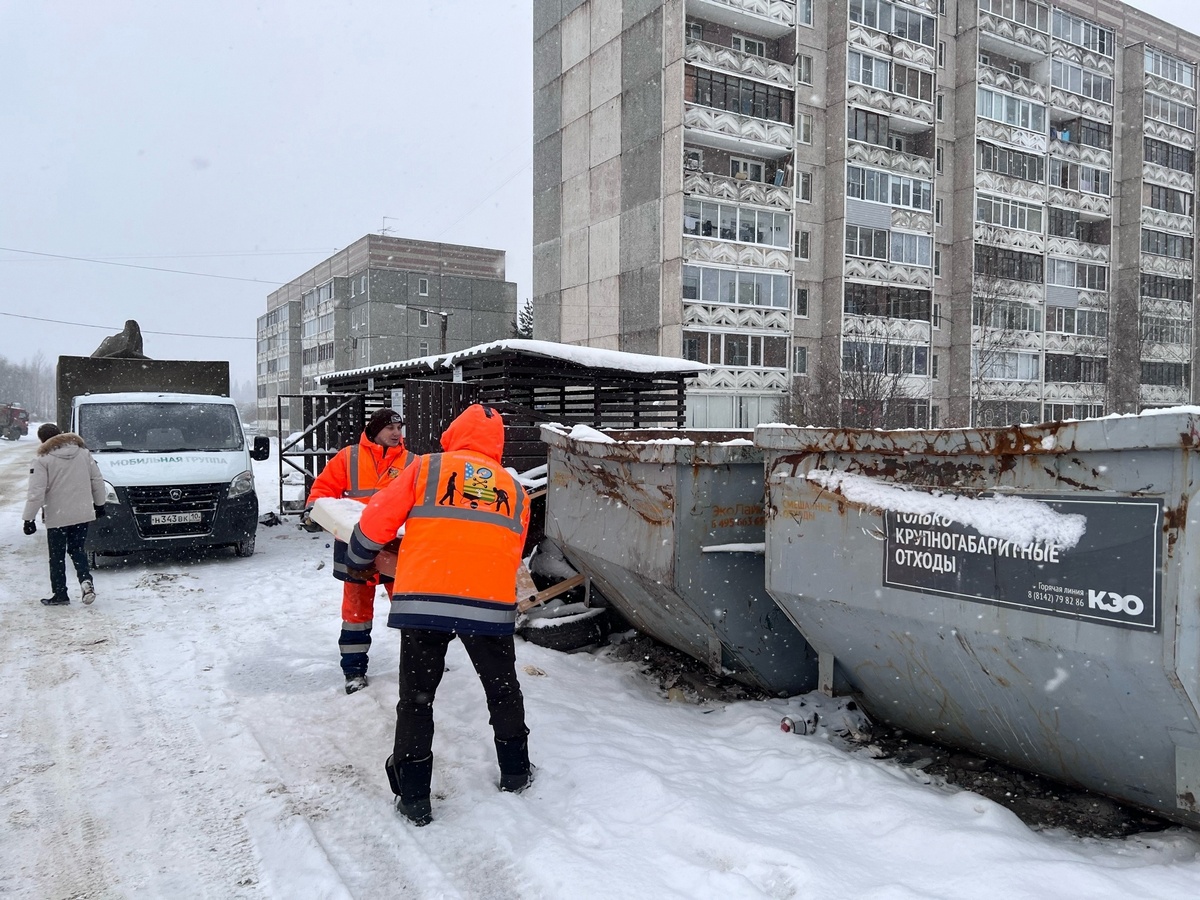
947, 574
669, 526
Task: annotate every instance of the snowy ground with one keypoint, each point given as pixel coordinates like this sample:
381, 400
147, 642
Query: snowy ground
188, 736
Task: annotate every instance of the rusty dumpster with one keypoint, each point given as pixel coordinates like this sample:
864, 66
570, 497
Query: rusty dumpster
1027, 593
669, 527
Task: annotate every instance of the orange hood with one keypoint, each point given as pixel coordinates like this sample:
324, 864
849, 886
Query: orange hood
478, 428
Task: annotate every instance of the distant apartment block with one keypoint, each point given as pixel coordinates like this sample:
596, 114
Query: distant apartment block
865, 212
382, 299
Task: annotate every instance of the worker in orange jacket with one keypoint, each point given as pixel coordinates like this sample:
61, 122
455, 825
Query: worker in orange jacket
358, 471
465, 519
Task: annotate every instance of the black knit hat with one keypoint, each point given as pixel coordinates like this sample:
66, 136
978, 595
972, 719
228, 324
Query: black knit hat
380, 421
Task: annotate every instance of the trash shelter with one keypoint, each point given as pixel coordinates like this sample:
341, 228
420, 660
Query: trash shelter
669, 526
1026, 593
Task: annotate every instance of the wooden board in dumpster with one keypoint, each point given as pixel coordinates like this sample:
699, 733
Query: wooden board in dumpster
1078, 659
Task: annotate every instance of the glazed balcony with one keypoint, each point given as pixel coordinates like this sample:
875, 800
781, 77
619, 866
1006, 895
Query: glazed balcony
726, 59
770, 18
721, 187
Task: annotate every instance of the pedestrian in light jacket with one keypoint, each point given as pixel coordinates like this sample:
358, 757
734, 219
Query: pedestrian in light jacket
65, 484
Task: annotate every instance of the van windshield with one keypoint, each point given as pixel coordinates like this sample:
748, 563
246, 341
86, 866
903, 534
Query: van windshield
160, 427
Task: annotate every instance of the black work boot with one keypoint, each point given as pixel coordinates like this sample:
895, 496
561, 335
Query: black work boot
410, 783
513, 756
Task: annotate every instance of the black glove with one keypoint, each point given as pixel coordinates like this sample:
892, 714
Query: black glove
101, 511
308, 524
30, 526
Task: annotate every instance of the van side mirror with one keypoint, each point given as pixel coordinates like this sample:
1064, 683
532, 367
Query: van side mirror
262, 448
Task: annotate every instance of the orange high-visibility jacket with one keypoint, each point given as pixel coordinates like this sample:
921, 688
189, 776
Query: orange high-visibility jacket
358, 472
465, 519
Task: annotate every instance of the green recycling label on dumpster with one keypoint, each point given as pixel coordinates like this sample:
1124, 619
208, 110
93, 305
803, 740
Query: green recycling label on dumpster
1113, 576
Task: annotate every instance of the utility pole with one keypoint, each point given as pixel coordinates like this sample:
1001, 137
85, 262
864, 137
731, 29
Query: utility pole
445, 321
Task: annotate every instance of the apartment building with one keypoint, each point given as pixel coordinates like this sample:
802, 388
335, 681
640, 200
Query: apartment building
382, 299
868, 213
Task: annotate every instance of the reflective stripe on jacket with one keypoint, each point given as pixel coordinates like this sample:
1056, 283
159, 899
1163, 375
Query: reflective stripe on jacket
465, 519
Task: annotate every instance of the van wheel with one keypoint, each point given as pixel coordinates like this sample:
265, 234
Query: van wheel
244, 548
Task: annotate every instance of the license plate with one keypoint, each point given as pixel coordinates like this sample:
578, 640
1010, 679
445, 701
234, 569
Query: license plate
175, 518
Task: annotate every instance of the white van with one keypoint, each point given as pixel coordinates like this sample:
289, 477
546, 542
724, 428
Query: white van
176, 469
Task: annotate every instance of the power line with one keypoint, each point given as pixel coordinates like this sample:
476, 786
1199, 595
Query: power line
196, 255
105, 262
483, 201
216, 337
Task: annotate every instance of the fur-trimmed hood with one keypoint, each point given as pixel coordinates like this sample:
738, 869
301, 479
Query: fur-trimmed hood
66, 439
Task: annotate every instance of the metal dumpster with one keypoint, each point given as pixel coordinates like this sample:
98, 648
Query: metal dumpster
1073, 655
669, 526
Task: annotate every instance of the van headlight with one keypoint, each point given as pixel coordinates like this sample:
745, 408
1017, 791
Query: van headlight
243, 484
110, 494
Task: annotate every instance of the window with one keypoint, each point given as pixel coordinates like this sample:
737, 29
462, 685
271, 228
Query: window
1023, 12
937, 108
709, 219
1170, 111
799, 360
422, 348
736, 350
1164, 66
1160, 153
868, 127
1163, 243
933, 365
1075, 177
886, 301
802, 242
1166, 374
937, 156
1005, 315
1078, 80
935, 320
804, 69
1007, 365
423, 318
911, 249
1167, 199
1162, 287
937, 212
1069, 224
751, 46
747, 169
910, 82
1001, 262
802, 302
1073, 369
941, 59
743, 96
1008, 213
1002, 160
804, 128
869, 70
1166, 330
423, 287
1067, 320
884, 187
937, 263
804, 12
695, 31
871, 243
1081, 33
892, 359
1011, 110
805, 187
736, 287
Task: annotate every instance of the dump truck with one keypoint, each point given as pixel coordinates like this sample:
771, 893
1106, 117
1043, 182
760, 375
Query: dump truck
14, 421
170, 445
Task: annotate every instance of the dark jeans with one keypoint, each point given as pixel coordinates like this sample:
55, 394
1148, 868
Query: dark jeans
62, 541
422, 662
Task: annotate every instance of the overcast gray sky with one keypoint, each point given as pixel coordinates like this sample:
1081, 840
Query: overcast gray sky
242, 143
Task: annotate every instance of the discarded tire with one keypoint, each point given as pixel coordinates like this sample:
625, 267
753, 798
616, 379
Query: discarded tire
569, 627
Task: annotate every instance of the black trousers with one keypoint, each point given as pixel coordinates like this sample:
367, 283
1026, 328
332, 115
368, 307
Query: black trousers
61, 542
422, 663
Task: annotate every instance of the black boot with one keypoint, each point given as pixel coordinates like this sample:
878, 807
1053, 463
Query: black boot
410, 784
513, 756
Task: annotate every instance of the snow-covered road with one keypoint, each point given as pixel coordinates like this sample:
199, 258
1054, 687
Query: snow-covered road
188, 736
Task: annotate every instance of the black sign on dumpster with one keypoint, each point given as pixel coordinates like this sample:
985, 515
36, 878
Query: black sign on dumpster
1113, 576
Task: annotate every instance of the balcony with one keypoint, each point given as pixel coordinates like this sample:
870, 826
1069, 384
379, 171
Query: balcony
1011, 238
744, 379
1172, 134
893, 160
733, 254
1093, 204
892, 46
720, 315
990, 76
726, 130
885, 329
991, 130
770, 18
891, 104
1172, 178
1080, 250
1079, 106
1166, 221
720, 187
1011, 38
1017, 188
891, 273
726, 59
